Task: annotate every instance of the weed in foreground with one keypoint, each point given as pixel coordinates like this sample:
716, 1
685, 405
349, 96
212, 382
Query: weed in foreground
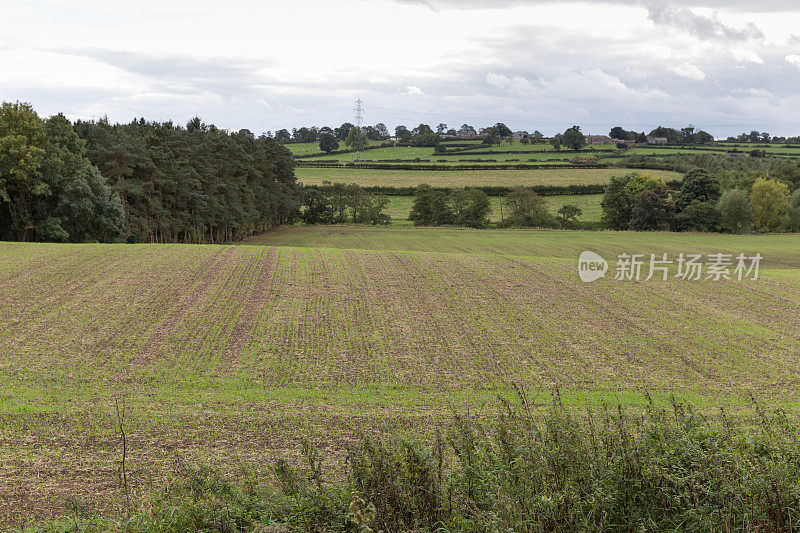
526, 470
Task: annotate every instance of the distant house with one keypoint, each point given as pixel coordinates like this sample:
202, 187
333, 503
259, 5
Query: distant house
521, 135
599, 139
467, 134
657, 140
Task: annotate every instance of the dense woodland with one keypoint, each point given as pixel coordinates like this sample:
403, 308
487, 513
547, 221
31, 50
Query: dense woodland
138, 182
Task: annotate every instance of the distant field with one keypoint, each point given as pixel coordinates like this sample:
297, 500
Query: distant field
467, 178
779, 250
400, 206
229, 355
503, 152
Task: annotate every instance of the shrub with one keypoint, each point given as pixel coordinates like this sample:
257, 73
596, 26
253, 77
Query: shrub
568, 215
770, 202
793, 217
525, 209
658, 468
698, 216
471, 207
697, 186
735, 214
431, 207
652, 210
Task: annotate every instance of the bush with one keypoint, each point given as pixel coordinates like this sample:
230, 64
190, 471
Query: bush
793, 217
698, 216
652, 210
622, 194
431, 207
735, 214
568, 215
340, 203
769, 200
526, 209
471, 207
697, 186
658, 468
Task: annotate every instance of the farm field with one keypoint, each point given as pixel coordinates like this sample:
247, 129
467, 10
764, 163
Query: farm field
400, 206
502, 152
467, 178
227, 355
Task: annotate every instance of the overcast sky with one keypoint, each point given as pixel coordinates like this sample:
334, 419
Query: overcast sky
725, 66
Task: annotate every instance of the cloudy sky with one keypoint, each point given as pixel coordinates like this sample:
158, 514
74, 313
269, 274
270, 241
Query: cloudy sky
725, 66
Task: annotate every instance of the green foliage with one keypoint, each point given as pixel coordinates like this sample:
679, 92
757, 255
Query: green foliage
51, 191
425, 138
617, 203
528, 469
195, 184
568, 215
789, 173
339, 203
356, 138
22, 152
525, 208
471, 207
316, 208
431, 207
735, 213
82, 207
653, 210
793, 216
698, 216
623, 194
573, 138
769, 200
697, 186
327, 142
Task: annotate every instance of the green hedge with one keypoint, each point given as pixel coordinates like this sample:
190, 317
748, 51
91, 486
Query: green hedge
384, 166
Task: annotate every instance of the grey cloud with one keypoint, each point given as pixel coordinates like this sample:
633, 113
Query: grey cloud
746, 6
700, 26
215, 74
547, 78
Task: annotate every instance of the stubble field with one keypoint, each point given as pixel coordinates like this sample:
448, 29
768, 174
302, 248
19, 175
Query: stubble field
228, 355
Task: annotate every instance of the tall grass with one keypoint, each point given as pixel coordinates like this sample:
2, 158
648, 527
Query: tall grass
528, 469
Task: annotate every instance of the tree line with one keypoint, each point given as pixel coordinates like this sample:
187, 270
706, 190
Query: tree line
138, 182
639, 201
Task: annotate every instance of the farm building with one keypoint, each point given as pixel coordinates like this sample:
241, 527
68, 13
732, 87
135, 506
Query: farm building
599, 139
656, 140
521, 135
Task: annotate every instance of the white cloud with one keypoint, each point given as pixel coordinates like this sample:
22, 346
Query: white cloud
412, 90
688, 70
754, 93
794, 59
518, 85
746, 55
